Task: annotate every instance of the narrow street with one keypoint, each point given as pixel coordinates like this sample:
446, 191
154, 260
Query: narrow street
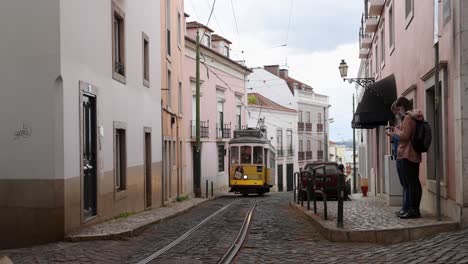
278, 234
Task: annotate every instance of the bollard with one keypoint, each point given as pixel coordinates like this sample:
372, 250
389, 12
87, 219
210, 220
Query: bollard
212, 189
206, 188
340, 201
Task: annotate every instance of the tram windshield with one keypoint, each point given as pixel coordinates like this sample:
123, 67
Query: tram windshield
258, 155
234, 155
246, 154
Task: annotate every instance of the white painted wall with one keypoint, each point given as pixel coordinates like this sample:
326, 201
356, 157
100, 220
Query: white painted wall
29, 66
86, 49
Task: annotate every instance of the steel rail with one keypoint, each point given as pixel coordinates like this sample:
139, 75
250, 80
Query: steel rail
236, 246
181, 238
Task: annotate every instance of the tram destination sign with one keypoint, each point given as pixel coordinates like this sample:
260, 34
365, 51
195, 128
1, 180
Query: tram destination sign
248, 133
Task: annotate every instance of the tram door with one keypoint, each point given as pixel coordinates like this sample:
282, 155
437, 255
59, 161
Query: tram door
280, 178
290, 177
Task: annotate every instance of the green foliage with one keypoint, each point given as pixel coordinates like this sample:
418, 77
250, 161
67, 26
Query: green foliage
182, 198
123, 215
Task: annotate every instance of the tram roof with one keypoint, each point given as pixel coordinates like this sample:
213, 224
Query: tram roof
249, 140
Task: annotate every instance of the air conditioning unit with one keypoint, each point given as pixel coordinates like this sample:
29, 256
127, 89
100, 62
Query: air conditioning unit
393, 189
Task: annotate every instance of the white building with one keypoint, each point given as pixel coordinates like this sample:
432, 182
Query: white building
81, 115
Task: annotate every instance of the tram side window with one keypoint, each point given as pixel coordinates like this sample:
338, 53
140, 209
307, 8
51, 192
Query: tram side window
258, 155
246, 154
235, 155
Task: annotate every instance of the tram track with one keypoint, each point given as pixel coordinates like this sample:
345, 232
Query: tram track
234, 247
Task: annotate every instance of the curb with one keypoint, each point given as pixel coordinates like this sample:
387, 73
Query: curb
126, 234
382, 236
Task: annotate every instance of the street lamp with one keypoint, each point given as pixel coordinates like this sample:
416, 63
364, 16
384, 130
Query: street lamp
363, 82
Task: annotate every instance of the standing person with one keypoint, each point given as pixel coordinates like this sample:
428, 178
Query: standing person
408, 156
347, 182
395, 139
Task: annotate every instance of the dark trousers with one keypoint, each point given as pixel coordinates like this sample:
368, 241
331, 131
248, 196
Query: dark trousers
404, 185
410, 171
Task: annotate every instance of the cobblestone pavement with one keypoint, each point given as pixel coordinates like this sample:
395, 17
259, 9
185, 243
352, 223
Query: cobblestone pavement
371, 213
281, 234
278, 234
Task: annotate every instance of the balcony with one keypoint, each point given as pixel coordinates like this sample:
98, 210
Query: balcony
290, 152
300, 126
308, 127
371, 24
319, 127
280, 153
375, 7
301, 155
363, 53
308, 155
320, 154
365, 40
223, 130
204, 129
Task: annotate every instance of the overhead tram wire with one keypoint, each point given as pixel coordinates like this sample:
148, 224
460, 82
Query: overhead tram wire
289, 22
235, 18
194, 10
215, 19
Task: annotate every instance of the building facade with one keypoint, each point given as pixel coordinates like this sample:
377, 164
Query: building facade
275, 111
281, 131
397, 37
222, 105
172, 59
85, 145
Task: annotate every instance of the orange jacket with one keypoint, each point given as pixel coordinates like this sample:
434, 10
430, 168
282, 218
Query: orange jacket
405, 132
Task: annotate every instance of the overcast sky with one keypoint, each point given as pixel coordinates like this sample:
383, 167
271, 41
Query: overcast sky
317, 35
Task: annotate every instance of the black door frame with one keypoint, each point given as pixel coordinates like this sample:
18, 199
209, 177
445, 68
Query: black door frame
289, 177
280, 177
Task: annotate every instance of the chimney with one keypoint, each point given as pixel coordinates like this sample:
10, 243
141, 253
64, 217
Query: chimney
284, 73
273, 69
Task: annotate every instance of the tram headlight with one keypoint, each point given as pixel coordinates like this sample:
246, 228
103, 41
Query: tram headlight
245, 177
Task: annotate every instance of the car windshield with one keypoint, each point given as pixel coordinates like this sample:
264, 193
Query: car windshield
331, 169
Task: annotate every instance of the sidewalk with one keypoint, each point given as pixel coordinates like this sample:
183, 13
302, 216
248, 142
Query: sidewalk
370, 220
132, 225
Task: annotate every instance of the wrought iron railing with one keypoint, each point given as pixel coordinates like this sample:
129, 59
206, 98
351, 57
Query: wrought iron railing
300, 126
320, 154
290, 151
308, 155
301, 155
223, 130
280, 153
308, 127
204, 129
319, 127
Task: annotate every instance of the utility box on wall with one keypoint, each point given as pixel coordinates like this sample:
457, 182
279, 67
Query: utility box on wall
393, 189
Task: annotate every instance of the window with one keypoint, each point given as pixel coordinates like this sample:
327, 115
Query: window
289, 141
320, 145
301, 149
146, 60
279, 139
220, 108
180, 98
194, 100
391, 25
168, 27
258, 155
179, 29
309, 147
120, 159
300, 116
246, 154
118, 43
308, 117
319, 118
382, 44
226, 51
376, 58
169, 91
207, 40
409, 11
238, 112
234, 155
220, 158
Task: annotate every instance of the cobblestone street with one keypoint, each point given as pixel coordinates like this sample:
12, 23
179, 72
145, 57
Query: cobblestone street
278, 234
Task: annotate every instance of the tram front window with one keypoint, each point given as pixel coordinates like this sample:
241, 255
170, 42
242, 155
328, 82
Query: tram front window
246, 154
258, 155
235, 155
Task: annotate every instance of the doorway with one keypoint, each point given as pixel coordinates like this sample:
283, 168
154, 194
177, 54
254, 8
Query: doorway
290, 177
280, 178
148, 174
89, 167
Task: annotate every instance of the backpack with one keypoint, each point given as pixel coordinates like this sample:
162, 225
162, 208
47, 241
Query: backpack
422, 137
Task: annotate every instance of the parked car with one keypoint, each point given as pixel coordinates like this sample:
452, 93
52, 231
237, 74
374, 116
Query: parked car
331, 176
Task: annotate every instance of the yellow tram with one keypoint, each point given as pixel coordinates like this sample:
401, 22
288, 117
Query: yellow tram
252, 162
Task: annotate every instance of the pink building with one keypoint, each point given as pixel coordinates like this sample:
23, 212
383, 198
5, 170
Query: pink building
222, 104
397, 37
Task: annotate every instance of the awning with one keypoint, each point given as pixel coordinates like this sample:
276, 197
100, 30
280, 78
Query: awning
374, 108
